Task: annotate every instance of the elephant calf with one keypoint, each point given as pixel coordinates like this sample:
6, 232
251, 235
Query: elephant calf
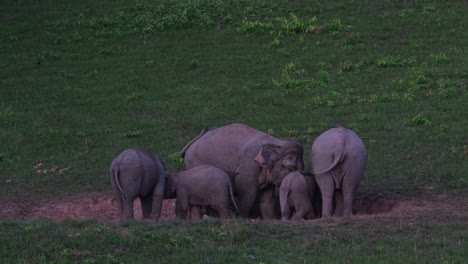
299, 196
138, 173
200, 186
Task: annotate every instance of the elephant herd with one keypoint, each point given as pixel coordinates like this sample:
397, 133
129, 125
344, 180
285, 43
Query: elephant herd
239, 170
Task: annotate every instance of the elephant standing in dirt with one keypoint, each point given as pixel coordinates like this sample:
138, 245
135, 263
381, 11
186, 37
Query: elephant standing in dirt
299, 196
138, 173
339, 160
255, 161
200, 186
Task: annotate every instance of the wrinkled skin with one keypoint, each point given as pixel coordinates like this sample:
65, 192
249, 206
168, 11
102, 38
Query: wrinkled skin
199, 187
138, 173
255, 161
299, 196
339, 160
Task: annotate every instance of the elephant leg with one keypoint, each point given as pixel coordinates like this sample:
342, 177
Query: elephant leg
195, 212
158, 198
119, 200
339, 203
146, 205
224, 211
182, 205
246, 197
128, 208
286, 213
348, 196
267, 204
327, 188
351, 182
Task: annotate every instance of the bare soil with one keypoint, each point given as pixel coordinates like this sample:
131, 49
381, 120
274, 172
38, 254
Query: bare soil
103, 207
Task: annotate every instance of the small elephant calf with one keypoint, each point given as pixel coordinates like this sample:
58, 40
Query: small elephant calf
298, 195
200, 186
138, 173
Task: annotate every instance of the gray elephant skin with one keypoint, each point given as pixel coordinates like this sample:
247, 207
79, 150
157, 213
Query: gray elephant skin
255, 161
198, 187
299, 196
339, 160
138, 173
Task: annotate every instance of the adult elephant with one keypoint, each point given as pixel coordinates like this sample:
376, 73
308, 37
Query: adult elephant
255, 161
339, 160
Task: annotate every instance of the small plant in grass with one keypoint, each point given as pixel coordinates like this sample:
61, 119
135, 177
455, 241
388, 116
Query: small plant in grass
290, 82
88, 260
110, 258
407, 97
394, 62
291, 133
460, 182
334, 27
364, 117
420, 120
317, 101
419, 80
294, 25
439, 58
331, 104
372, 99
3, 157
323, 77
276, 41
132, 134
352, 39
194, 63
149, 63
106, 51
134, 97
292, 70
46, 56
428, 10
175, 159
406, 12
346, 66
7, 113
443, 129
255, 26
76, 37
445, 90
290, 86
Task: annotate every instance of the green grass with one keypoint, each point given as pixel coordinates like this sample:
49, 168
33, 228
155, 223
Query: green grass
383, 239
80, 81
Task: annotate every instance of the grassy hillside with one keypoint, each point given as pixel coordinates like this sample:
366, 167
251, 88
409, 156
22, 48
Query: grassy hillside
82, 80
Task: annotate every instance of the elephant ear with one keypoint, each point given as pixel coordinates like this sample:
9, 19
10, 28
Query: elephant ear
268, 155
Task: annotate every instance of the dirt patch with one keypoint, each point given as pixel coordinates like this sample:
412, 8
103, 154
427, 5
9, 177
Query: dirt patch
102, 207
93, 207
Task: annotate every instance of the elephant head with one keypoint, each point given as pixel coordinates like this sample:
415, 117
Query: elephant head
277, 161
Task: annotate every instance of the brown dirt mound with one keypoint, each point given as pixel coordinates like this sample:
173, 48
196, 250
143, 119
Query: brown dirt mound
98, 206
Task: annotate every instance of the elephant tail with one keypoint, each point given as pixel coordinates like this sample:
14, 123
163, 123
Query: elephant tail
115, 174
336, 160
283, 194
337, 153
182, 152
232, 195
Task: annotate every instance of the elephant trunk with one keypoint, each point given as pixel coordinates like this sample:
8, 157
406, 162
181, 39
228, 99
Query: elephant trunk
169, 190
